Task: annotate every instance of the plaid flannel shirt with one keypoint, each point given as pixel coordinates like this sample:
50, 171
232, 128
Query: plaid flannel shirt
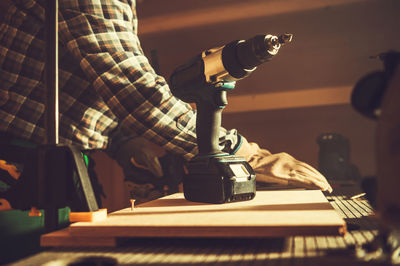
106, 82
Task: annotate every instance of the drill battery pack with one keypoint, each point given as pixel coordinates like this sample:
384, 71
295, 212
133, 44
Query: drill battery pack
219, 179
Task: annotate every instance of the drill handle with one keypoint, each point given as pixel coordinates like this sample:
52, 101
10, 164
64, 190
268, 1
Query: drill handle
208, 123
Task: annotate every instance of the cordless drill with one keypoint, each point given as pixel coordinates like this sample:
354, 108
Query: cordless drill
215, 176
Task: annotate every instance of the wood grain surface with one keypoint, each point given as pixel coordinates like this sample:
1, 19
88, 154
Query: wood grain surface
270, 214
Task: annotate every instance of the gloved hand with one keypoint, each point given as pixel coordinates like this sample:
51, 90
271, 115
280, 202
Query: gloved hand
141, 153
281, 168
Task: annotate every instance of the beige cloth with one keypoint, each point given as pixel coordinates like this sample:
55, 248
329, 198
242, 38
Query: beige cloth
281, 168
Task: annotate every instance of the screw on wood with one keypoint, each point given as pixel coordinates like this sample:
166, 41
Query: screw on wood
132, 204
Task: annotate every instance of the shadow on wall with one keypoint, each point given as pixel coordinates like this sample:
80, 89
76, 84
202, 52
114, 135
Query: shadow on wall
331, 45
294, 131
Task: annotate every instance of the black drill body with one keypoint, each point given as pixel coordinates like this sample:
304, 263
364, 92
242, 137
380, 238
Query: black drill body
215, 176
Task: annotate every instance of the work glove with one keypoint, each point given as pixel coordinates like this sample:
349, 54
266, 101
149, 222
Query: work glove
281, 168
141, 153
150, 172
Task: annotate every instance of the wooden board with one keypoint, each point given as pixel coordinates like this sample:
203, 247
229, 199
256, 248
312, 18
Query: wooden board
271, 213
63, 238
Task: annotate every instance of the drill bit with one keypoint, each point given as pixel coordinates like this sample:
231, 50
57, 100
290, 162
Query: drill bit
285, 38
273, 43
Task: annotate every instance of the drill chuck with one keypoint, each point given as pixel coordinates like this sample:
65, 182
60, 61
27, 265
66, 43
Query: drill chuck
260, 49
240, 58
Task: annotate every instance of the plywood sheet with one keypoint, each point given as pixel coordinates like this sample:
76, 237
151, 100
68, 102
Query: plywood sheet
270, 213
63, 238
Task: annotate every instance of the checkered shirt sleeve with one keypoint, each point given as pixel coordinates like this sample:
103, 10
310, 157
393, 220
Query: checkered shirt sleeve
105, 78
106, 82
102, 37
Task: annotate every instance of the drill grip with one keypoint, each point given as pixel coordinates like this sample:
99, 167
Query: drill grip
208, 123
